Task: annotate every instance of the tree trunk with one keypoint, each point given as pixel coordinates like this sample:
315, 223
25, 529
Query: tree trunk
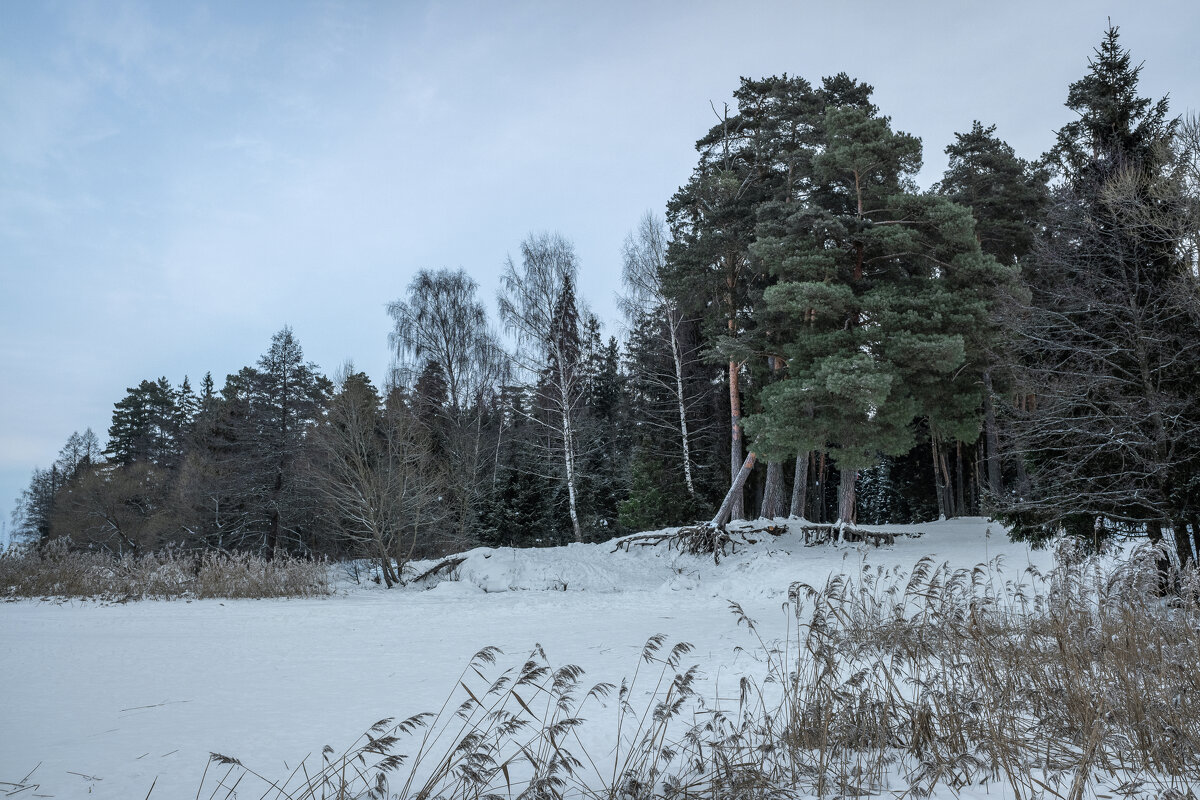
738, 510
938, 487
799, 487
977, 489
961, 503
385, 568
822, 472
1183, 544
992, 437
499, 443
679, 397
735, 490
948, 482
569, 458
1162, 561
846, 496
772, 504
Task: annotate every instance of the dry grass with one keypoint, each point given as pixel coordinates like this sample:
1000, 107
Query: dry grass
56, 571
887, 684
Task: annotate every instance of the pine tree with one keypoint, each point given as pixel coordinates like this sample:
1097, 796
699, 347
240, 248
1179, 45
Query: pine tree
1006, 195
709, 267
874, 283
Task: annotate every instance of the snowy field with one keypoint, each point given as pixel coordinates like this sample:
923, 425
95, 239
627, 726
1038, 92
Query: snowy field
104, 700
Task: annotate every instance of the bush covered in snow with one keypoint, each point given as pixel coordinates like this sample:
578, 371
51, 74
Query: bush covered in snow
58, 571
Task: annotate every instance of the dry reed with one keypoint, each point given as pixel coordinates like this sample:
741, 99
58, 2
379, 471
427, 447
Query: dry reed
57, 571
887, 683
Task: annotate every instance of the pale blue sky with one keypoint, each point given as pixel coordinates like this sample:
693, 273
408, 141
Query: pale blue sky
180, 180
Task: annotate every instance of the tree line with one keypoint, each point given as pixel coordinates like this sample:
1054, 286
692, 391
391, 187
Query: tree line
1021, 339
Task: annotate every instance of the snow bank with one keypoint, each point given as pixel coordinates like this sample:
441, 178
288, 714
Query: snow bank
105, 699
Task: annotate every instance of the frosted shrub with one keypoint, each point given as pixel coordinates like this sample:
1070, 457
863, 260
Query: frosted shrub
57, 571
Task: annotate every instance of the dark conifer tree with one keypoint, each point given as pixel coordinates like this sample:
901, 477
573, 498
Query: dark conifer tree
286, 396
1006, 195
1109, 340
146, 426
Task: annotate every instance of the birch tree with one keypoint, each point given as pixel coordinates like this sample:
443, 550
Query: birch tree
644, 259
538, 308
442, 323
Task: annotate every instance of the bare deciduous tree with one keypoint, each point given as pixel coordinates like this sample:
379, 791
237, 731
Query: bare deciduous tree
1112, 344
442, 322
371, 467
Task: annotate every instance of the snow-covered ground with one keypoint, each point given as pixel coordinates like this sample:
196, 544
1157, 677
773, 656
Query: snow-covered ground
103, 700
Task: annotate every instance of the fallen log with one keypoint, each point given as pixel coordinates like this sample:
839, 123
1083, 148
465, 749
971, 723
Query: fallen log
447, 564
820, 533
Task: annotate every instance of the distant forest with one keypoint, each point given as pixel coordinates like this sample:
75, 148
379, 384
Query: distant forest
1020, 340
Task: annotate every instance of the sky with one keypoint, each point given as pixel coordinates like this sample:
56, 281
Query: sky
178, 181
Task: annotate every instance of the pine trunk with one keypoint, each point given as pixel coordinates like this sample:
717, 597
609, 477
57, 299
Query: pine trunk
738, 509
846, 496
822, 473
938, 487
991, 435
960, 502
772, 504
735, 490
948, 482
799, 487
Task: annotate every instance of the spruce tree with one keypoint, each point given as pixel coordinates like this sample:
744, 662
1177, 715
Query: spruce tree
286, 397
146, 426
1109, 340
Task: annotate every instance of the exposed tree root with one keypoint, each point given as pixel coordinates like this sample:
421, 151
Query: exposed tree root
702, 539
717, 540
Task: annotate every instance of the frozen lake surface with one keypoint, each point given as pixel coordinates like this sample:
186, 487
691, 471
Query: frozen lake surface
101, 700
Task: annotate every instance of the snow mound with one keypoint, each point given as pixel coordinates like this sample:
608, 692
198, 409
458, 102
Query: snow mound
763, 567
